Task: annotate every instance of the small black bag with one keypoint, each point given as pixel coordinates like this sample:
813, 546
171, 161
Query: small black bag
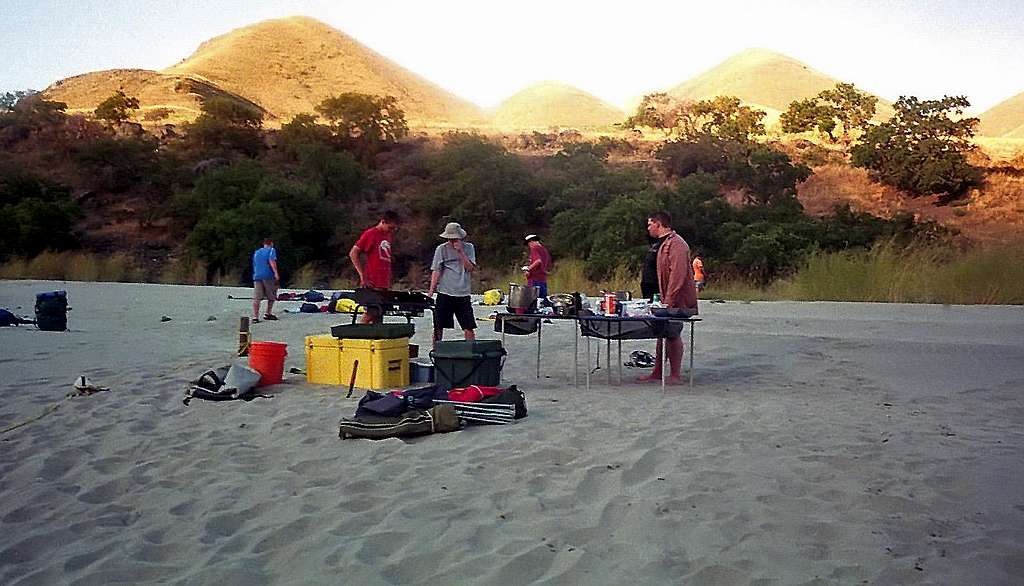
510, 396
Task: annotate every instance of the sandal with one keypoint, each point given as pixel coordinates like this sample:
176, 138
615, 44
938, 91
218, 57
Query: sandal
270, 317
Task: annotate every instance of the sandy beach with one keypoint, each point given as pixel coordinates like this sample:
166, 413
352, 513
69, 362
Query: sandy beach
822, 443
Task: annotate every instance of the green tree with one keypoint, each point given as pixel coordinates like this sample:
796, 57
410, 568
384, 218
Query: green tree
39, 214
725, 117
301, 131
226, 126
368, 122
488, 190
844, 105
768, 175
804, 115
9, 99
923, 148
338, 176
115, 164
117, 108
662, 112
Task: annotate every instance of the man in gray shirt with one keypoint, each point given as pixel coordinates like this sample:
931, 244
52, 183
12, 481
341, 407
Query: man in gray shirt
453, 263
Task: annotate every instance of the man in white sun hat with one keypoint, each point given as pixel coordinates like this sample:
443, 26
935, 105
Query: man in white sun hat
454, 262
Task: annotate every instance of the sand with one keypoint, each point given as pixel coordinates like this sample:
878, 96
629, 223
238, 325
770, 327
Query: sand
823, 443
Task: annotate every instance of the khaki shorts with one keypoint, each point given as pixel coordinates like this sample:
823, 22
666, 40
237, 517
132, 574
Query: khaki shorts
265, 289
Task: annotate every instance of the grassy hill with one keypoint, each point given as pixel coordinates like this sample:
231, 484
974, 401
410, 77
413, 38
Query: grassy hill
551, 103
290, 65
763, 79
163, 98
1005, 119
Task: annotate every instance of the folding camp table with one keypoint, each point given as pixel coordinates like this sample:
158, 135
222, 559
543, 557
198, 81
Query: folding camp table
607, 327
621, 328
505, 318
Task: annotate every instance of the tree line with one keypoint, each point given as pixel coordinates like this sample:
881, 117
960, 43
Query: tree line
224, 182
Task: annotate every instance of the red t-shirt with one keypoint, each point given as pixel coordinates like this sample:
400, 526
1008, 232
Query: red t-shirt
540, 273
376, 244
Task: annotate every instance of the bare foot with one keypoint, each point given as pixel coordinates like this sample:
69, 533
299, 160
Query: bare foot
650, 378
673, 379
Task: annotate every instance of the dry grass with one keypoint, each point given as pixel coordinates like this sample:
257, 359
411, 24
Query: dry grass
1001, 148
290, 65
919, 274
553, 104
569, 276
74, 266
1005, 119
990, 214
761, 77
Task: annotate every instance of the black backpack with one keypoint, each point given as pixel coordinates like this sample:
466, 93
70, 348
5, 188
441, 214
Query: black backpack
52, 311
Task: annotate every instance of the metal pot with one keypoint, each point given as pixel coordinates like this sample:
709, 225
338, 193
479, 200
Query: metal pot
522, 296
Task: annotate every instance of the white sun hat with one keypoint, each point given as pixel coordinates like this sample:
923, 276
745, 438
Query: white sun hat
453, 231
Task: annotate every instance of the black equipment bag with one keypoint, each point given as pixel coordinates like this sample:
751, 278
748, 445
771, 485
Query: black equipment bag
52, 311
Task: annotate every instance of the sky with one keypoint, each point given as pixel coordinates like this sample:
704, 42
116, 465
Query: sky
485, 51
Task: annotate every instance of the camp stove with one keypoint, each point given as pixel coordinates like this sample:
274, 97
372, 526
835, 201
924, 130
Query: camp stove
407, 304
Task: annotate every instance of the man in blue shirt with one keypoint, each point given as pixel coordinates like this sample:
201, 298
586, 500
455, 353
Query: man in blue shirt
264, 280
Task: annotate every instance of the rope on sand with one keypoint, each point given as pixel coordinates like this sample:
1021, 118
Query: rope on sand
45, 412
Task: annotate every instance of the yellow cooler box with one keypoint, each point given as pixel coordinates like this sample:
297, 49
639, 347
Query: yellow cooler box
383, 364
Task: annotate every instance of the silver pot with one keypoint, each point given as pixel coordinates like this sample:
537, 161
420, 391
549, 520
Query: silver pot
521, 296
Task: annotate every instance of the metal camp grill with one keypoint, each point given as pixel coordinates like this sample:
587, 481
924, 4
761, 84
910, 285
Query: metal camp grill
407, 304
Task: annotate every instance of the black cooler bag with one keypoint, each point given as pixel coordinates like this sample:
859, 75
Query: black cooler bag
52, 311
461, 363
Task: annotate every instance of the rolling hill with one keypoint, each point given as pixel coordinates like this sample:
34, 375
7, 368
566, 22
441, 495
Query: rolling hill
163, 98
1005, 119
552, 103
764, 79
285, 67
290, 65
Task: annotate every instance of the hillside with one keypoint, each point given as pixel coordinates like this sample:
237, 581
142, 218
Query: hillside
551, 103
163, 98
1005, 119
290, 65
763, 79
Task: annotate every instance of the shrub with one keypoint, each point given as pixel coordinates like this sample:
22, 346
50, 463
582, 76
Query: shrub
922, 149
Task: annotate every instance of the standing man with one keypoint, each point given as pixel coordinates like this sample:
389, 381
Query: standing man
264, 280
454, 262
675, 284
540, 263
375, 244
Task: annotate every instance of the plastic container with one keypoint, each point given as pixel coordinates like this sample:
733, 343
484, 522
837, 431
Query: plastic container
609, 304
420, 372
383, 364
461, 363
267, 358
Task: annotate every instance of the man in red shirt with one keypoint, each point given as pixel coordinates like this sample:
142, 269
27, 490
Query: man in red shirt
375, 243
540, 263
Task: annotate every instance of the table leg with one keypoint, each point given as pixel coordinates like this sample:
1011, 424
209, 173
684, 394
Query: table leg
620, 360
540, 324
691, 354
664, 360
608, 355
587, 367
575, 355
